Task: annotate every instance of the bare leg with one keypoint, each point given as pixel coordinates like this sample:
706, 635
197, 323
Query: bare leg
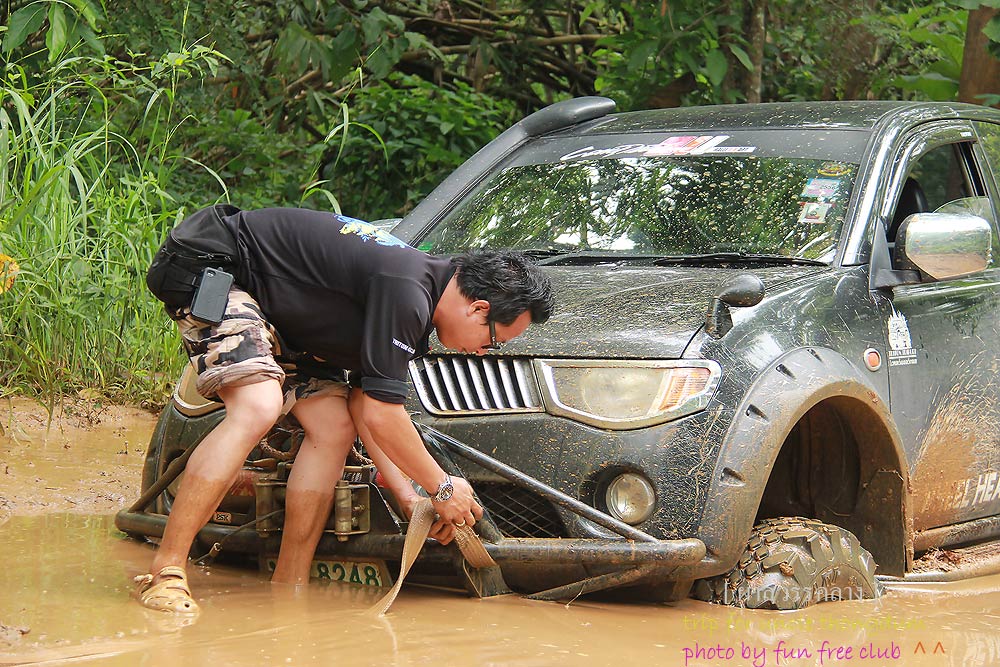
250, 411
309, 496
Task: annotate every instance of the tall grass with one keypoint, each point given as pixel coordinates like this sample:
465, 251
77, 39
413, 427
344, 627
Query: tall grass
82, 210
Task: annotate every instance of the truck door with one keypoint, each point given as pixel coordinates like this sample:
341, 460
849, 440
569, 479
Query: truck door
942, 339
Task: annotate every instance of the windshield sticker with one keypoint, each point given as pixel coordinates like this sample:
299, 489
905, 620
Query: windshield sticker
700, 145
591, 152
834, 169
686, 145
820, 187
814, 213
901, 352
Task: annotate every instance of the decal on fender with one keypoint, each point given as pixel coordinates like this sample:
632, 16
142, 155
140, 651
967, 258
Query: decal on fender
901, 352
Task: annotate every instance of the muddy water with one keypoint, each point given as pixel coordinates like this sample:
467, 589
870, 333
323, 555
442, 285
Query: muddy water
65, 580
83, 458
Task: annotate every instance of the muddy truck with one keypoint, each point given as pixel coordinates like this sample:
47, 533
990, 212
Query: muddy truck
770, 381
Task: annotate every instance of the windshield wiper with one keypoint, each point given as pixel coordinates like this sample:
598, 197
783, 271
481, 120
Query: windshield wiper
736, 258
592, 257
538, 253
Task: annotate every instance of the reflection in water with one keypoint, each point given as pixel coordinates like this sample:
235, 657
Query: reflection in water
67, 578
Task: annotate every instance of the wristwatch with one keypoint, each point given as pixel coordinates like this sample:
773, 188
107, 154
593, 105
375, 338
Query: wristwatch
445, 490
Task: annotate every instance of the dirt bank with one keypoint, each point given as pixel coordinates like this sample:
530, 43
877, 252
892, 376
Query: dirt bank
86, 457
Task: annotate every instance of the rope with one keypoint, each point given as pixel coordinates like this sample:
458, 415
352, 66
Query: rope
416, 534
217, 547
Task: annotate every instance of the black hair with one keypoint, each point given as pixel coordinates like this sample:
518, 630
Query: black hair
510, 281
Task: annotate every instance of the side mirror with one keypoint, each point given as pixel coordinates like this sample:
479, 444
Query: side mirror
944, 245
744, 290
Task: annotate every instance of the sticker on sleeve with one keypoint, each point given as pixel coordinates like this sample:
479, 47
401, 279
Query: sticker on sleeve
834, 169
820, 187
814, 213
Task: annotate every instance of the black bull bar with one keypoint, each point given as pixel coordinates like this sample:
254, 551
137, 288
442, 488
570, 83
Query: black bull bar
611, 562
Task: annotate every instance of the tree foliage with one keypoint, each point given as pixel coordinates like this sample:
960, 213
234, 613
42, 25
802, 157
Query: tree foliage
118, 118
263, 123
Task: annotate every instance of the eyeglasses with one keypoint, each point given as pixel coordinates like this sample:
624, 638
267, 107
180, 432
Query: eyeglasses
494, 345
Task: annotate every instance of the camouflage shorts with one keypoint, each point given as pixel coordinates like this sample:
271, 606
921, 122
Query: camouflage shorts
245, 349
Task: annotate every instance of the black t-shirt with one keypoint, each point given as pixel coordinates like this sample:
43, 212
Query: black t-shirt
341, 290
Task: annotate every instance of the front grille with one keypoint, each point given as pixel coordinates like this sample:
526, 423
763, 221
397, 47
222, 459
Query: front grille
454, 384
518, 512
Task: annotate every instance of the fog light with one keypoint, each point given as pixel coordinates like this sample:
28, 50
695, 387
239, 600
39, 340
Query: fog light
630, 498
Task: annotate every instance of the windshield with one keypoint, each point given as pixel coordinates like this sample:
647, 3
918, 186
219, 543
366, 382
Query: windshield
663, 199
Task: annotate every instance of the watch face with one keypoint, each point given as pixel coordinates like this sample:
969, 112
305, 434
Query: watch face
445, 491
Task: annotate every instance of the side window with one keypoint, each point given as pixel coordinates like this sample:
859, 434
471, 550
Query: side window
942, 175
990, 135
937, 178
946, 179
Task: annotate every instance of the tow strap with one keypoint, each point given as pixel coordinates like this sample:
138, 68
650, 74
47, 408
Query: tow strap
416, 535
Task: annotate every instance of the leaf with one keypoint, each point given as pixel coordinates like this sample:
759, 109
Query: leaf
343, 53
379, 63
742, 56
89, 12
90, 38
934, 86
640, 54
373, 24
716, 67
55, 38
946, 68
23, 22
992, 29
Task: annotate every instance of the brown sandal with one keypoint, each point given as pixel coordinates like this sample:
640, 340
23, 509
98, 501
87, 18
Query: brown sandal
173, 594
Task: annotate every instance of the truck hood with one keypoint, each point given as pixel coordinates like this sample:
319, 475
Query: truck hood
634, 312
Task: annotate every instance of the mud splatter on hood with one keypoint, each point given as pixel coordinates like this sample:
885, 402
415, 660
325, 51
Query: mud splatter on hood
633, 312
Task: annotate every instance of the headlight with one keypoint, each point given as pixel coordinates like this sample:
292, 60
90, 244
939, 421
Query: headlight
630, 498
627, 394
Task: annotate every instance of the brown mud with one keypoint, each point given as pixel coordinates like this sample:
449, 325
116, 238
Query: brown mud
66, 573
87, 457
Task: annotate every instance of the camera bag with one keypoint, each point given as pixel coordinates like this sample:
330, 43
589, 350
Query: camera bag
200, 241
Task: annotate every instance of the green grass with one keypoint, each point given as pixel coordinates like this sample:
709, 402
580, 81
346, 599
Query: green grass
82, 210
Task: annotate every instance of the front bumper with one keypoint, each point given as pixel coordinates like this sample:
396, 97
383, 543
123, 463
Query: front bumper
547, 568
529, 565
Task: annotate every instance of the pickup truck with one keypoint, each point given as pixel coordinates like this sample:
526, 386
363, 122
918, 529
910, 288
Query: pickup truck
771, 374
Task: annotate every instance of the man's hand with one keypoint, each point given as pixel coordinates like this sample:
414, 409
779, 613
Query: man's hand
461, 510
442, 531
408, 503
394, 443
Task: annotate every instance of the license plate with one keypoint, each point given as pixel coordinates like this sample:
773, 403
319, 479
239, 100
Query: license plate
365, 573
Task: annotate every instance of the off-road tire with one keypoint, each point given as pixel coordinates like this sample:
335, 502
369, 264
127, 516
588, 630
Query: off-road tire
792, 563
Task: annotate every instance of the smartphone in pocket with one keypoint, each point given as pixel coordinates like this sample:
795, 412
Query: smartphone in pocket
209, 303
